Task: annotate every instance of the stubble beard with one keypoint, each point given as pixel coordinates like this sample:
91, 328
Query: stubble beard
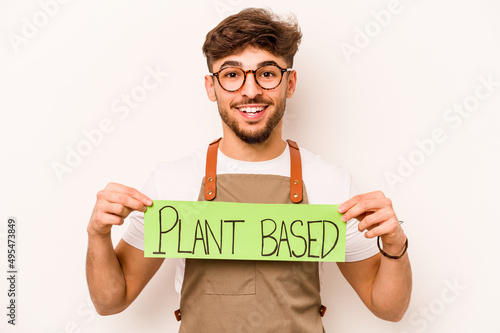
254, 136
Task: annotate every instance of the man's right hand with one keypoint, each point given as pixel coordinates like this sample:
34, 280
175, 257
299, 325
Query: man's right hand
114, 203
116, 276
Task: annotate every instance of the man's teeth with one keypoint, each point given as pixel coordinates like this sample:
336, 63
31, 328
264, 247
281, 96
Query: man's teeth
252, 110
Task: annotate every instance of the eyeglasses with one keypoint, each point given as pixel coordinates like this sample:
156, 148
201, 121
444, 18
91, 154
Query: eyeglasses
268, 77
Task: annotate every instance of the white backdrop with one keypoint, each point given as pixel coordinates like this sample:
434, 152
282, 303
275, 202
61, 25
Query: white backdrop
403, 93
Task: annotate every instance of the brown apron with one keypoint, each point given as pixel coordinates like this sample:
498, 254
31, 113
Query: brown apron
245, 295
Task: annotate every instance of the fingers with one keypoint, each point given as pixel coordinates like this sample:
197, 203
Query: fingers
374, 211
118, 210
101, 222
104, 220
377, 231
364, 205
114, 200
378, 223
129, 191
114, 203
359, 198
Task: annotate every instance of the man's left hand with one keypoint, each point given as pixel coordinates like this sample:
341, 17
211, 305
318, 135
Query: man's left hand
376, 215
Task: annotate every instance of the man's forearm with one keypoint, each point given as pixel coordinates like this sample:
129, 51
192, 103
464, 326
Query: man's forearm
392, 288
105, 275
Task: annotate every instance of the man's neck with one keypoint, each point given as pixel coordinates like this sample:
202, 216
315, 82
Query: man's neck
235, 148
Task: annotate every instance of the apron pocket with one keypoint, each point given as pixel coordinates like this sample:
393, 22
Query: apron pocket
229, 277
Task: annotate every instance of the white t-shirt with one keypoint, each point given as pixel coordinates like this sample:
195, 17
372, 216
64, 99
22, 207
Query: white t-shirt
181, 180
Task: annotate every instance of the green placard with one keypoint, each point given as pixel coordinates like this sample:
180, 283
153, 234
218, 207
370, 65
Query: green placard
227, 230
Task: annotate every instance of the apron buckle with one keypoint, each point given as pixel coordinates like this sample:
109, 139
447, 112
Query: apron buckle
322, 311
177, 314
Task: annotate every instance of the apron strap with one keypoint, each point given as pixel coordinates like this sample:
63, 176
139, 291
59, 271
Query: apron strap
295, 171
211, 170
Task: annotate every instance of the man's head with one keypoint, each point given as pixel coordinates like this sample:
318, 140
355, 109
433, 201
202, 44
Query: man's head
253, 27
253, 105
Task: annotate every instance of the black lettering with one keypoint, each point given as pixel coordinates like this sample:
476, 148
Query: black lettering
234, 229
219, 245
311, 239
336, 239
298, 236
179, 240
162, 221
283, 227
268, 236
196, 238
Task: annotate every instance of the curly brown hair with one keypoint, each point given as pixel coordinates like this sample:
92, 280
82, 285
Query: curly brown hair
253, 27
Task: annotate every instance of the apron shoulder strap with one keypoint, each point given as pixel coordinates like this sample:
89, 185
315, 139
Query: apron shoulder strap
295, 171
211, 170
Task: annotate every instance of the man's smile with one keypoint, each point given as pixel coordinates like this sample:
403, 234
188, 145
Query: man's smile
252, 111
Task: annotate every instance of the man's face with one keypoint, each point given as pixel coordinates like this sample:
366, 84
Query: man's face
252, 113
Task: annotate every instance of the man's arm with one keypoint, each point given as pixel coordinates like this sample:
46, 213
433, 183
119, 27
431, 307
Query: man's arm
383, 284
116, 277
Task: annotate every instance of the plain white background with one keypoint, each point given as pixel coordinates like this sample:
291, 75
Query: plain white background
65, 68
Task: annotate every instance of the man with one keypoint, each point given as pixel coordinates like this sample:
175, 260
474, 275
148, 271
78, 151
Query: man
250, 56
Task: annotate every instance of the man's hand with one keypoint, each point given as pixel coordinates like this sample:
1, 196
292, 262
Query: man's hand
113, 205
375, 213
116, 277
383, 284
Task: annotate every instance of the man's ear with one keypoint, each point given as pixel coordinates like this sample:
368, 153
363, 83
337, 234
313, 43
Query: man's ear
292, 83
209, 86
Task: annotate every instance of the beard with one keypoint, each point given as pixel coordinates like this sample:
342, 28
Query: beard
258, 135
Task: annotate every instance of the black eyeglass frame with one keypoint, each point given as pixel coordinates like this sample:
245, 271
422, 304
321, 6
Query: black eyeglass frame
253, 71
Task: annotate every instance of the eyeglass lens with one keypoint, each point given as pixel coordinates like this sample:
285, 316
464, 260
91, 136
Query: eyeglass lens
232, 78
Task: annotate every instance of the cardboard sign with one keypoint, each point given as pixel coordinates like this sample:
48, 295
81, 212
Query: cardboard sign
227, 230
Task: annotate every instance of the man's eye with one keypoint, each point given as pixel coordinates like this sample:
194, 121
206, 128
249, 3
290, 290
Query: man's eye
268, 75
231, 75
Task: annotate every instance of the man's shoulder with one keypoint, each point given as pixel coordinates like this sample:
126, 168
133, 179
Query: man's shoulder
317, 164
178, 179
326, 182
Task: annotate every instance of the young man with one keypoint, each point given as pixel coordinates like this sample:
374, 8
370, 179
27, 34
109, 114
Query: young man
250, 56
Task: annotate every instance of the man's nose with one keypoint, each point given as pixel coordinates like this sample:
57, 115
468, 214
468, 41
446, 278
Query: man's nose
251, 87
